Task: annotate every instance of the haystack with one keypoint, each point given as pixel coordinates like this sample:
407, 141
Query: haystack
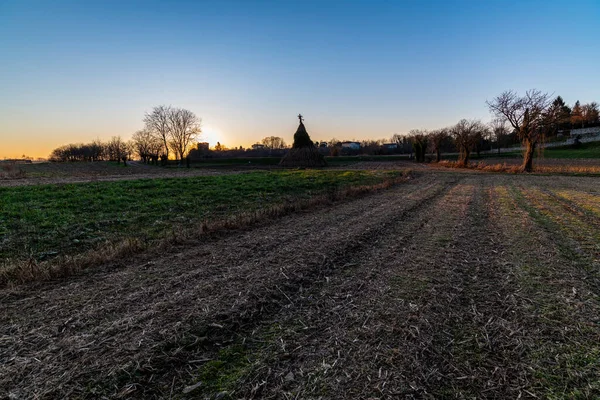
303, 153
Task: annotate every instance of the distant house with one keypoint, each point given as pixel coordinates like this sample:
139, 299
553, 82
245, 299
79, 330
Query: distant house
351, 145
258, 146
390, 146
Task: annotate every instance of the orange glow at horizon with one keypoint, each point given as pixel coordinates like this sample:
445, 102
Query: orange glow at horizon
39, 144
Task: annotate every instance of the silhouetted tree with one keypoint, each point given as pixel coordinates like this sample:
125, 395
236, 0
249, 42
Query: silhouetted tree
146, 145
499, 130
437, 138
528, 115
481, 138
184, 128
372, 147
466, 134
157, 122
273, 143
403, 142
97, 150
220, 147
117, 149
419, 139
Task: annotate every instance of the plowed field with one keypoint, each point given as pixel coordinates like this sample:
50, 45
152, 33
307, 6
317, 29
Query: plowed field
451, 285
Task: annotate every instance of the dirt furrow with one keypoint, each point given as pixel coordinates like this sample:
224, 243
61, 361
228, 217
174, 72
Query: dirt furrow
372, 331
327, 334
476, 348
125, 328
448, 286
559, 301
431, 311
576, 234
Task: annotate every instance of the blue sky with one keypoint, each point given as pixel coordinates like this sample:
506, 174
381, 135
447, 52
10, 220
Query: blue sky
74, 71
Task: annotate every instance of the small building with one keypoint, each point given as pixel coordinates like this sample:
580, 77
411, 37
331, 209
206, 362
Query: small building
258, 146
390, 146
203, 146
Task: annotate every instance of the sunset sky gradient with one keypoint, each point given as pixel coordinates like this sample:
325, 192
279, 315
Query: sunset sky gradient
73, 71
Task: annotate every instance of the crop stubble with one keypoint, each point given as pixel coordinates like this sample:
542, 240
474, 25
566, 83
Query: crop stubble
454, 285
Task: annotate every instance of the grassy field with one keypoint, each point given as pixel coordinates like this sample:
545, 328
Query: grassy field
45, 221
449, 285
74, 169
585, 150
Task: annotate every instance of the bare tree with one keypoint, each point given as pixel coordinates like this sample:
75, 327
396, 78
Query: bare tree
184, 128
499, 130
117, 149
482, 134
371, 147
436, 138
528, 115
403, 142
146, 145
97, 150
398, 139
466, 134
419, 139
274, 143
157, 122
590, 114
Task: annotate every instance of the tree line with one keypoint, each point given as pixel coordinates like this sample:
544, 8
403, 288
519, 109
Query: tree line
531, 118
115, 149
528, 119
167, 131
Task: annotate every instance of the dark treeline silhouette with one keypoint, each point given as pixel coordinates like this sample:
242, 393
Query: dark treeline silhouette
167, 130
115, 149
528, 120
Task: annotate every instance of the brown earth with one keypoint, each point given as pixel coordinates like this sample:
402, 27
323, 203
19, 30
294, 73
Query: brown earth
448, 286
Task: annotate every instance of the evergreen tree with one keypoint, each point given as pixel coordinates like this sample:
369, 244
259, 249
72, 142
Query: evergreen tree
577, 116
559, 114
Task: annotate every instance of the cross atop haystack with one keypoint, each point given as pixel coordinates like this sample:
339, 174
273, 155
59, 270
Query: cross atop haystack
303, 153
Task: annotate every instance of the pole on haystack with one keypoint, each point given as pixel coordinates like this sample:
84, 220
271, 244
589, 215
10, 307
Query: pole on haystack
303, 153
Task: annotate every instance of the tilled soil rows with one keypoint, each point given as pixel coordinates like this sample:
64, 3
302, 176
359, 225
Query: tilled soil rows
447, 286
